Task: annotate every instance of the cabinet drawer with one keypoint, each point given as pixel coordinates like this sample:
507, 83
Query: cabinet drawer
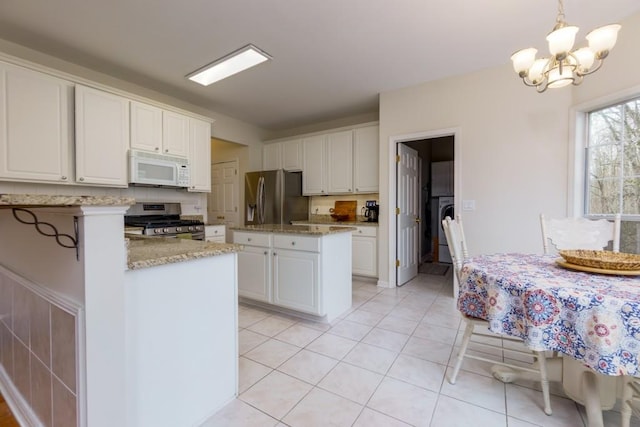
252, 239
219, 239
214, 230
300, 243
366, 231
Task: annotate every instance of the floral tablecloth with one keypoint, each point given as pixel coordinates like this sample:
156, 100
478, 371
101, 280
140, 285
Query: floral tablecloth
593, 318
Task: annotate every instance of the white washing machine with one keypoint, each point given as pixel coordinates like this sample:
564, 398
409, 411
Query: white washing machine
445, 209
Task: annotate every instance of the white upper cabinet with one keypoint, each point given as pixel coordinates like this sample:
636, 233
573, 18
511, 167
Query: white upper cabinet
159, 131
314, 166
340, 162
175, 134
292, 155
146, 127
200, 155
272, 156
102, 137
36, 118
285, 155
365, 160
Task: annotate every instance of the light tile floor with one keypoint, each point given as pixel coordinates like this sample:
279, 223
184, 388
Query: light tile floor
384, 363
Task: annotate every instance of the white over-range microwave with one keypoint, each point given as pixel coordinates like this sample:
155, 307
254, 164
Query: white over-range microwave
158, 169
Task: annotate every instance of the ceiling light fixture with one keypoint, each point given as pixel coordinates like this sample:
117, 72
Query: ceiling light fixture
243, 58
565, 66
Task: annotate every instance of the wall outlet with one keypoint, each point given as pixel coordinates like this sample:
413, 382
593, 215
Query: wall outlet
468, 205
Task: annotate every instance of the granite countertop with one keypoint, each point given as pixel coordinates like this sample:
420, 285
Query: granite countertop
314, 230
49, 200
326, 219
146, 252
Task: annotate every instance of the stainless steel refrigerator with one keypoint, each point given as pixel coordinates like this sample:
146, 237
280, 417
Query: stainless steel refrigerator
274, 197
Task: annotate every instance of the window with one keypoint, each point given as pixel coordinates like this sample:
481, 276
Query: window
612, 178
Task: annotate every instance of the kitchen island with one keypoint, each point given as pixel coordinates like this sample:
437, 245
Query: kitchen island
109, 330
298, 269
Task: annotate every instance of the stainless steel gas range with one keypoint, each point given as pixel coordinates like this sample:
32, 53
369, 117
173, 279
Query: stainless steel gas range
163, 220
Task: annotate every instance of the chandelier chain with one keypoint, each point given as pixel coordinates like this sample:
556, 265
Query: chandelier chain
560, 17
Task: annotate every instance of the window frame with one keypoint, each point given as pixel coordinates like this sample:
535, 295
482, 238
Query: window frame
577, 191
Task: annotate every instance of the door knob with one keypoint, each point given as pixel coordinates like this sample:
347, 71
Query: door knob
418, 220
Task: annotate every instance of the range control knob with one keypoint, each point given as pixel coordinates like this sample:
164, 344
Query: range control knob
178, 229
166, 230
191, 228
157, 230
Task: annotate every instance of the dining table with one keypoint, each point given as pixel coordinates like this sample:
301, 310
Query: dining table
592, 320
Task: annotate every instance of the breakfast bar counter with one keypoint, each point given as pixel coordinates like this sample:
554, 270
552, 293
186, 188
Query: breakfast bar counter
146, 252
142, 316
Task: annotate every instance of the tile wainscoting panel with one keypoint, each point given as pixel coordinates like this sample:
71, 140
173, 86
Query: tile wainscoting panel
38, 350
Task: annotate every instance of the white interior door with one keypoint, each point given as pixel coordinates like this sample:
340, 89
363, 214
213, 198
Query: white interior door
408, 214
225, 193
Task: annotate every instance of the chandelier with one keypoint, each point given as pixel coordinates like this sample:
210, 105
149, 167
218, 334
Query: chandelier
565, 66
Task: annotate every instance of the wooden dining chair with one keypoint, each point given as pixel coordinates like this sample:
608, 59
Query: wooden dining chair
630, 400
454, 233
579, 233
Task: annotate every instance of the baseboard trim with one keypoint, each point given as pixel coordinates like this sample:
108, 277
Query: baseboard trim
21, 410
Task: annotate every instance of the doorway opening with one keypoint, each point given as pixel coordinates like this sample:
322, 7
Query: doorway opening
229, 161
423, 201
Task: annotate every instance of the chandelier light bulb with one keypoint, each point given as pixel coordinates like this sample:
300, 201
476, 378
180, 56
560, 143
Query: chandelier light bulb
603, 39
585, 58
523, 59
561, 40
536, 72
565, 66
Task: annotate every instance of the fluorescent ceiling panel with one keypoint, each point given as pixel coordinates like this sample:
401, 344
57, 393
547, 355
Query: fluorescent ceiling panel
229, 65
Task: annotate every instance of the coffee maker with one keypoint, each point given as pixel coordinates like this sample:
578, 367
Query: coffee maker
372, 211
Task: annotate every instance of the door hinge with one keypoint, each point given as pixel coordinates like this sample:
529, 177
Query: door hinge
235, 171
235, 209
397, 158
397, 211
397, 263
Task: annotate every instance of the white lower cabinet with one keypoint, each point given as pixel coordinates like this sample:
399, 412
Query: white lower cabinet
214, 233
365, 252
288, 290
307, 274
254, 275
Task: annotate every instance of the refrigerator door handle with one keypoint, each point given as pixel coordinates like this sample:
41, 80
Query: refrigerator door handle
260, 200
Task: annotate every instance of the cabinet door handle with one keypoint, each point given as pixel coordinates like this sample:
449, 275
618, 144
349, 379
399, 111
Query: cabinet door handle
360, 231
293, 243
166, 150
357, 189
157, 148
81, 179
275, 254
265, 252
249, 239
349, 189
64, 178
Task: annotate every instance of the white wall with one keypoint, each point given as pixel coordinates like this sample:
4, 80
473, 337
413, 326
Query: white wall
511, 147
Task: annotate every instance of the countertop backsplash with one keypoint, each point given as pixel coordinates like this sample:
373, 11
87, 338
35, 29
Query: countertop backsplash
324, 203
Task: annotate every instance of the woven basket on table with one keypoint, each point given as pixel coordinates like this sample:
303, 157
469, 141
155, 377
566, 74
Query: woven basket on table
602, 259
